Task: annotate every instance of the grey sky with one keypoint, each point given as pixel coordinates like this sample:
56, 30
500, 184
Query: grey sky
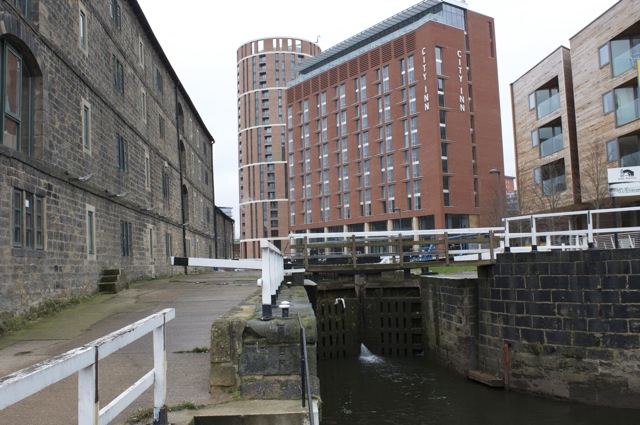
201, 38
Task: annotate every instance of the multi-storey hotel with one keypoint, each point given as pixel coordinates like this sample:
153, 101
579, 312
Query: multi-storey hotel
105, 163
264, 68
398, 126
576, 116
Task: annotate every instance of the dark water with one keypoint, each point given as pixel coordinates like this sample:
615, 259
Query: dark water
373, 390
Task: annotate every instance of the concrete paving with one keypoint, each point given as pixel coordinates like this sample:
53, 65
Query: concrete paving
198, 300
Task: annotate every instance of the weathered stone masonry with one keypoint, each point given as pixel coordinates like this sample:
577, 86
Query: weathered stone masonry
160, 182
571, 322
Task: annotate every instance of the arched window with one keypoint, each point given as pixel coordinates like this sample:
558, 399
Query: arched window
17, 109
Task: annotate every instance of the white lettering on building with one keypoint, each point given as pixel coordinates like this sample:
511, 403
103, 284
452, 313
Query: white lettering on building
424, 78
462, 98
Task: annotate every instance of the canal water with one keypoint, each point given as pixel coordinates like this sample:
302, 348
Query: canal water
373, 390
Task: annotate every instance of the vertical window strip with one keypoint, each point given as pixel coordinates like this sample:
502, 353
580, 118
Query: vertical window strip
90, 233
17, 218
83, 30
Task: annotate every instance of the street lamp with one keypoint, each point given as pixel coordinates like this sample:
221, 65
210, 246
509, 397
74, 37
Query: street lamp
400, 217
500, 190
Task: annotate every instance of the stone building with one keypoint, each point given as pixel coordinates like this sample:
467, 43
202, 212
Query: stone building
576, 116
105, 162
398, 127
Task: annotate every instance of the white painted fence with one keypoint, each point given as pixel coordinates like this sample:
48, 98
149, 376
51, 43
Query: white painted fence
84, 362
271, 264
571, 230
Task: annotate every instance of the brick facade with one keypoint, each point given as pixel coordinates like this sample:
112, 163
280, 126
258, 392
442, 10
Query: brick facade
398, 127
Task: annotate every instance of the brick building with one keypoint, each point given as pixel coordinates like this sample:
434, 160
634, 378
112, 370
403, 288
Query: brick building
398, 126
94, 172
576, 116
264, 68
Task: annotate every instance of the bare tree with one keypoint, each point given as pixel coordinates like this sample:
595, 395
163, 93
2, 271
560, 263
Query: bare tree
594, 184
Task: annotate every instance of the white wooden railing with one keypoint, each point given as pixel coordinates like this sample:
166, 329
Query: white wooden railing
271, 264
571, 230
84, 362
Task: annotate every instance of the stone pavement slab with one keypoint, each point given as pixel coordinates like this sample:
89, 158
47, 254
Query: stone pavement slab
198, 300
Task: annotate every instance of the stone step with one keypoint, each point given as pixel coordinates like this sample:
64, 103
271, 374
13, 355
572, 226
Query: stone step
108, 287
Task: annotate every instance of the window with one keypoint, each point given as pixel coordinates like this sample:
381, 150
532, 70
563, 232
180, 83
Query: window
607, 102
624, 51
150, 241
141, 52
117, 73
161, 126
91, 232
603, 55
147, 170
554, 180
439, 69
165, 185
115, 13
168, 245
613, 153
629, 150
626, 104
143, 105
22, 6
385, 78
443, 125
532, 101
86, 126
159, 82
441, 92
126, 239
83, 29
547, 100
17, 106
28, 220
550, 139
122, 153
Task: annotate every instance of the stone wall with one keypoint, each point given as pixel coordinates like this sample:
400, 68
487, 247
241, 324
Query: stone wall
449, 308
69, 160
571, 321
256, 359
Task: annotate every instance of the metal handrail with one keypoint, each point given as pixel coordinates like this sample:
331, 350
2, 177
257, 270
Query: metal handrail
305, 385
84, 361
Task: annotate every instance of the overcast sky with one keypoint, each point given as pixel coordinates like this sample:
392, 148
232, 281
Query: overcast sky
201, 38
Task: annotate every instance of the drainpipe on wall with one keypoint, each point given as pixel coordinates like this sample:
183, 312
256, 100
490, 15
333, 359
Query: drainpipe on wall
215, 209
182, 206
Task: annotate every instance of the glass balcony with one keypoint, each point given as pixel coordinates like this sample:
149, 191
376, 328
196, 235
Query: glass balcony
554, 185
548, 106
549, 146
623, 55
626, 111
630, 160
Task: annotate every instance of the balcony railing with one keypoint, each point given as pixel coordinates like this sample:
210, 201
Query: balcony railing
548, 106
624, 61
549, 146
627, 112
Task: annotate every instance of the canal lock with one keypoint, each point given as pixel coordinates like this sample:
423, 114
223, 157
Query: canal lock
383, 315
